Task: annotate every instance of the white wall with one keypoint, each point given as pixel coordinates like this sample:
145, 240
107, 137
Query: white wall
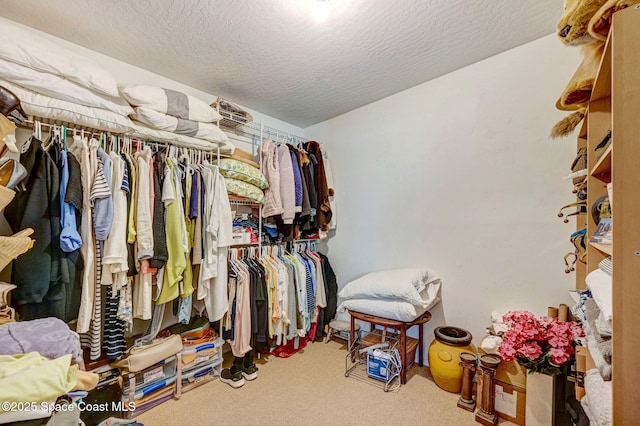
458, 175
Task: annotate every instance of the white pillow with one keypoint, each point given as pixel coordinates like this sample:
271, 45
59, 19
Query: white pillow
170, 102
42, 106
390, 309
157, 120
599, 282
27, 48
143, 132
60, 88
402, 284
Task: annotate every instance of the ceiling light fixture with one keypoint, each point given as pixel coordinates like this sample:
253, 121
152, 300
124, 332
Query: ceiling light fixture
320, 10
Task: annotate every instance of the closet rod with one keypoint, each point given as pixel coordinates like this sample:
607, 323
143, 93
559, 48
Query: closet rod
29, 124
258, 129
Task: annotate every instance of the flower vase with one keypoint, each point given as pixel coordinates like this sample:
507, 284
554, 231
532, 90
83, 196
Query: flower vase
540, 399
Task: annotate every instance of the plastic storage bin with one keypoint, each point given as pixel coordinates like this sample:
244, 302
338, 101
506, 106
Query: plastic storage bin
193, 355
161, 371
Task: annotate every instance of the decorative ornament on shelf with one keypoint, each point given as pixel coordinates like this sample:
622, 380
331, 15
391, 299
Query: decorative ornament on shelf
540, 344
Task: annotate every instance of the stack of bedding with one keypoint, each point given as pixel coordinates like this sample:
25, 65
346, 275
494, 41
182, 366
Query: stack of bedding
595, 312
398, 294
175, 117
594, 308
58, 84
243, 179
598, 401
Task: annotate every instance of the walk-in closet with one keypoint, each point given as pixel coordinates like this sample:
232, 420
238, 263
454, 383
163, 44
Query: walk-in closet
318, 212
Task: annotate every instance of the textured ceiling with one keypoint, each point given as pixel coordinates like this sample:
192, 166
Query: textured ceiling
273, 57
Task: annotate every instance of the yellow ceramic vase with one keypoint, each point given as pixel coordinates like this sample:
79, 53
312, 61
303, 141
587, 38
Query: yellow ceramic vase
444, 356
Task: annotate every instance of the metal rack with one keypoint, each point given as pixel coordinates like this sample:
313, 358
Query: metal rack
359, 360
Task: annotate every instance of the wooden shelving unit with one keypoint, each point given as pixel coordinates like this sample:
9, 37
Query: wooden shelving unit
604, 248
615, 107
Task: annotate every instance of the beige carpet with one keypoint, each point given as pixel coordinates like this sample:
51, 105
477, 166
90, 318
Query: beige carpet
310, 388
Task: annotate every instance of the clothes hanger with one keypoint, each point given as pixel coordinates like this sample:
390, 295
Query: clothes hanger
54, 136
570, 266
581, 205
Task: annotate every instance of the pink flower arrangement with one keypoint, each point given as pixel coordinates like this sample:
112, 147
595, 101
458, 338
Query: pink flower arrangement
542, 344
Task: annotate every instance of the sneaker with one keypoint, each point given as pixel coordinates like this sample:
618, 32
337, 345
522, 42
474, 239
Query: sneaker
250, 372
232, 377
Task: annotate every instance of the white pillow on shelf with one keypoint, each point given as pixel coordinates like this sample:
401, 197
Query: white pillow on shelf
29, 49
386, 308
42, 106
170, 102
61, 88
157, 120
413, 285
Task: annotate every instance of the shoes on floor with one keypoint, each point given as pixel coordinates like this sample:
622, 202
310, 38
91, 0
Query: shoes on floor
250, 372
232, 377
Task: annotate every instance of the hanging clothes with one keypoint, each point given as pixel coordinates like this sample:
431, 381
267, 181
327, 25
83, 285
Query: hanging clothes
323, 206
160, 253
333, 223
287, 185
36, 273
271, 170
80, 151
115, 255
142, 297
217, 226
175, 236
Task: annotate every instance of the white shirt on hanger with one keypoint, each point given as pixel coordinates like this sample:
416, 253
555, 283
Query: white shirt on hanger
217, 237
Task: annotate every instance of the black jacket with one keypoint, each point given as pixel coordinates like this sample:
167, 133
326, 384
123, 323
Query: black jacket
331, 288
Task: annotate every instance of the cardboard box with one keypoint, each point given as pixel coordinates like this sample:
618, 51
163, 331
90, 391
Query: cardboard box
510, 373
510, 402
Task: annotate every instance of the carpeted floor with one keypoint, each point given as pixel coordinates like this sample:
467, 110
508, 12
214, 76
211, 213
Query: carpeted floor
310, 388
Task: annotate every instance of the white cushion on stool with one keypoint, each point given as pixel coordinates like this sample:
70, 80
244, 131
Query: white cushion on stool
339, 325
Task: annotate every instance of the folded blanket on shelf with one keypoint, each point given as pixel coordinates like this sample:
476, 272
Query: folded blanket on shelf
578, 310
602, 365
600, 285
603, 342
50, 337
603, 326
586, 406
606, 266
598, 403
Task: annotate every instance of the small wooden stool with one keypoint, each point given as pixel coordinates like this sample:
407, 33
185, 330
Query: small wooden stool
337, 326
